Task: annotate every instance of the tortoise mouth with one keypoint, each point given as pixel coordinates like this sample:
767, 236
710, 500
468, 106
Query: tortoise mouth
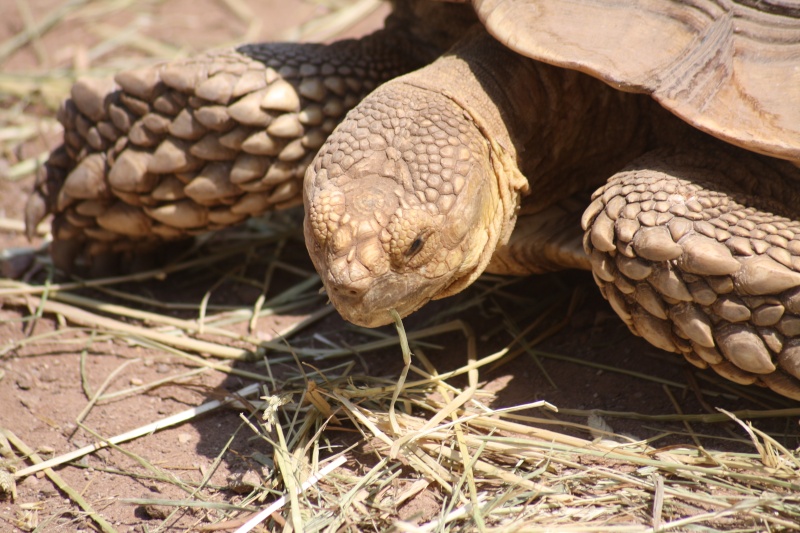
364, 318
372, 306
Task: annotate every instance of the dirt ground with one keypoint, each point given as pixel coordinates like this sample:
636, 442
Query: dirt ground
589, 364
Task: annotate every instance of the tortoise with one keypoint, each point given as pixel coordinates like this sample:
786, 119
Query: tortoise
653, 142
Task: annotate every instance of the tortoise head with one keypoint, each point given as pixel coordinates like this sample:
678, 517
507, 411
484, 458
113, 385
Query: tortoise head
402, 204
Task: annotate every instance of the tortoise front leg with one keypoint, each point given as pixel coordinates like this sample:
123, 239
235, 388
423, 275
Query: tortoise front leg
698, 251
173, 150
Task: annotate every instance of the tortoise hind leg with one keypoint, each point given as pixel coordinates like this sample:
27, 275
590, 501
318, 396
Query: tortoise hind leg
166, 152
698, 250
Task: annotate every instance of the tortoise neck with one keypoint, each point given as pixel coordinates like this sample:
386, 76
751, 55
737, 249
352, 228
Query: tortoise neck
565, 130
432, 26
478, 76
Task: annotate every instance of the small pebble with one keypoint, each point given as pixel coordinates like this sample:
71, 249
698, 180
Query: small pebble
24, 381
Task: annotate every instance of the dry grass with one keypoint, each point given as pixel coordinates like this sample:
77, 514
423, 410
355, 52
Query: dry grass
435, 432
488, 469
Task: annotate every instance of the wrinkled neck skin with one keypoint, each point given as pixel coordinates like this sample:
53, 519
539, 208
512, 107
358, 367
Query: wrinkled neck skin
566, 131
411, 195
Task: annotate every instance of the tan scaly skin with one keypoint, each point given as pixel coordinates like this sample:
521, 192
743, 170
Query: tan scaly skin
417, 192
413, 193
165, 152
698, 250
695, 243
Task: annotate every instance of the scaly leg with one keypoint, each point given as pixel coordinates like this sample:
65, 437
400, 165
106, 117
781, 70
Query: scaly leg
169, 151
698, 251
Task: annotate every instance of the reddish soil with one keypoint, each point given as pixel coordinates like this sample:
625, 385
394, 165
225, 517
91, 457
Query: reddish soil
42, 391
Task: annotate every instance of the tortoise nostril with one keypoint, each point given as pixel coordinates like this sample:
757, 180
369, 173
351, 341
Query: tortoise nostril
344, 291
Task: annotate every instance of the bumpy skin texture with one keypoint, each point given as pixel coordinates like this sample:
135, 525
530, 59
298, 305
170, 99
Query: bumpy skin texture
418, 191
393, 200
170, 151
692, 244
688, 261
412, 195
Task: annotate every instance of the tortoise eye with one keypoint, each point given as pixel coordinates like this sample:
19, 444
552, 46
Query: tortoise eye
416, 246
